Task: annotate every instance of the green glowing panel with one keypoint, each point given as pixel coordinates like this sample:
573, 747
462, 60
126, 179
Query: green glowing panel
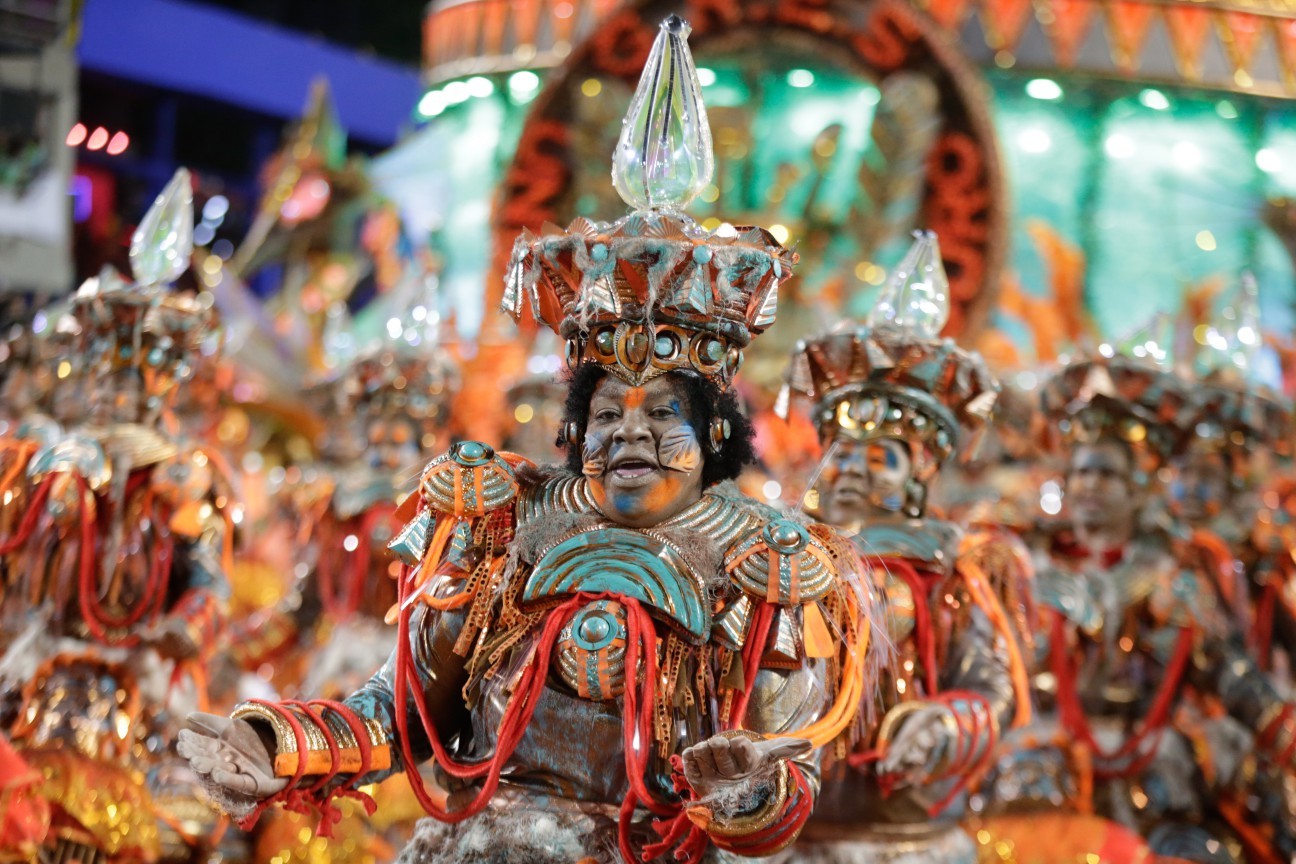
1159, 192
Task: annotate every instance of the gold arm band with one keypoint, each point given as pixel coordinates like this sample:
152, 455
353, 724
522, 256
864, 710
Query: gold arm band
758, 820
285, 739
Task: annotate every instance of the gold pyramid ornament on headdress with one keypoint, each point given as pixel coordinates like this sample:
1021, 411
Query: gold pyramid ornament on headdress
654, 292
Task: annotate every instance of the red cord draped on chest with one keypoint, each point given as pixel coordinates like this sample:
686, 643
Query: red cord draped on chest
1149, 729
677, 833
920, 586
343, 597
94, 522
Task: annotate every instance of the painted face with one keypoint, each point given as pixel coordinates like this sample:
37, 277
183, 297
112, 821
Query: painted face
641, 453
393, 444
864, 478
1100, 488
1201, 486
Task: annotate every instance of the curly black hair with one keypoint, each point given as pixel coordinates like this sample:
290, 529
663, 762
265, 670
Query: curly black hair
705, 401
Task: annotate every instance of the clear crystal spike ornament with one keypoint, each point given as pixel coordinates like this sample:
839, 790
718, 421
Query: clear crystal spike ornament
664, 157
916, 296
1154, 341
163, 243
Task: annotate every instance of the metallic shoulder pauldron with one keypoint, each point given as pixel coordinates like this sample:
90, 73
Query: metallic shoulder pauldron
469, 480
74, 454
1072, 595
782, 562
930, 541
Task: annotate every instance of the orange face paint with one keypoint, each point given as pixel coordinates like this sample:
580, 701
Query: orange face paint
634, 398
662, 493
598, 492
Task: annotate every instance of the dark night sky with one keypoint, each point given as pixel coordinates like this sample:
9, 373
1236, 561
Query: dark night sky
388, 28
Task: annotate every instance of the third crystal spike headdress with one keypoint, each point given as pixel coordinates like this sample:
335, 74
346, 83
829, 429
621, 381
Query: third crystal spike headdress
654, 292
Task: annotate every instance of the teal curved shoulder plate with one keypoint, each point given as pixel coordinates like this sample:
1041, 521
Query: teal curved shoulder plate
626, 563
930, 541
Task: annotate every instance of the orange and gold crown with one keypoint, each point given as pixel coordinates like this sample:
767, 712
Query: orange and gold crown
129, 325
419, 384
1237, 416
654, 292
1114, 395
894, 377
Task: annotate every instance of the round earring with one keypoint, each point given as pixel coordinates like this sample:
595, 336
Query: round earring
719, 434
915, 499
567, 434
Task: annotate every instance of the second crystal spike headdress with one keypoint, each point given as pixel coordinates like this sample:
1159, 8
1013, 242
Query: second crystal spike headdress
654, 292
894, 377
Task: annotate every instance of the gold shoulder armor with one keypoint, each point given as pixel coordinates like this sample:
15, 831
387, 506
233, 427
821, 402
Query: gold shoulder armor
782, 562
468, 482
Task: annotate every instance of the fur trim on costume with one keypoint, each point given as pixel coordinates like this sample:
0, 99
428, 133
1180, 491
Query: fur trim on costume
745, 796
513, 835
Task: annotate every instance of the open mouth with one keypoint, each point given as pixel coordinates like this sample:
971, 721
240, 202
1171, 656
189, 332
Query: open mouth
628, 469
849, 493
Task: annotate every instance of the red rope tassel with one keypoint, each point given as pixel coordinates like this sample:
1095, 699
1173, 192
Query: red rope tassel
923, 636
517, 714
291, 797
28, 523
751, 656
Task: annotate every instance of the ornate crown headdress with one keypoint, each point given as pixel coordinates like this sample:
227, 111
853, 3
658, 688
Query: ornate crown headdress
401, 381
115, 324
654, 292
1130, 394
893, 376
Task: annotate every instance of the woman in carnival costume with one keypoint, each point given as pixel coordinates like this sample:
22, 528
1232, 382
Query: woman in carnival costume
591, 652
1132, 641
113, 577
892, 401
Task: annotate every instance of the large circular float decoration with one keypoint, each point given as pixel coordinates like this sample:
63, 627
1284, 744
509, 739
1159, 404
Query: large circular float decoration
930, 161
